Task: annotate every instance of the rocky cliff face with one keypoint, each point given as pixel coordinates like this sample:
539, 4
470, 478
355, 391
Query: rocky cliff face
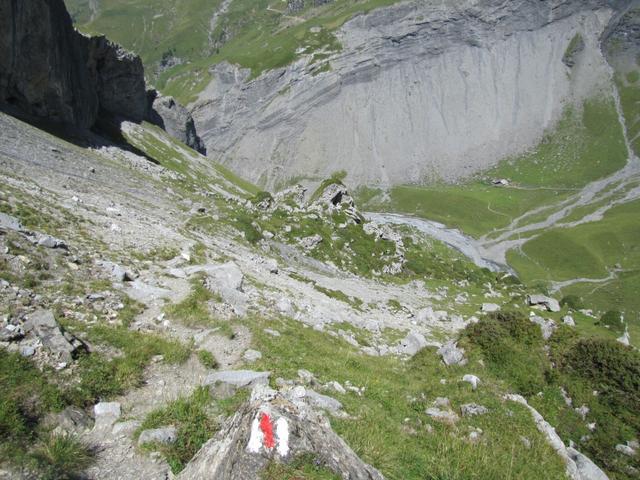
420, 91
173, 118
53, 72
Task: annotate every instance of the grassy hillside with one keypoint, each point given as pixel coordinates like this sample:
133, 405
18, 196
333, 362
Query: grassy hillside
178, 40
586, 145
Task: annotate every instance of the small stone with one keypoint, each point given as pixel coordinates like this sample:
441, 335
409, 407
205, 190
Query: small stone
472, 409
27, 351
306, 377
163, 435
526, 442
473, 380
626, 450
444, 416
412, 343
273, 333
323, 402
252, 355
337, 387
568, 320
451, 354
490, 307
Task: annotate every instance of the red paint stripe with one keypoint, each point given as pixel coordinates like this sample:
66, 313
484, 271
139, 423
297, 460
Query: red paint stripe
267, 429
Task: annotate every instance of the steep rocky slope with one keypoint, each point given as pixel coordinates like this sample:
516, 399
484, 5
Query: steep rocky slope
420, 91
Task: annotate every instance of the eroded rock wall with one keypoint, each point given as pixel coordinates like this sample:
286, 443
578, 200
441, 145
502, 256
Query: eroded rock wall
421, 91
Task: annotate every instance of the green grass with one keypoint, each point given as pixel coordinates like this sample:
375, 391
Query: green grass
397, 390
192, 169
586, 145
303, 467
101, 378
255, 34
590, 250
475, 208
513, 349
27, 396
193, 311
61, 457
195, 418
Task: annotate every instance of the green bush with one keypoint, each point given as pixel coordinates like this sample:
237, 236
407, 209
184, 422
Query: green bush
612, 368
244, 223
513, 349
613, 320
573, 302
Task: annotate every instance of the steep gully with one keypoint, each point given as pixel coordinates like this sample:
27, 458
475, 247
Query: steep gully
490, 250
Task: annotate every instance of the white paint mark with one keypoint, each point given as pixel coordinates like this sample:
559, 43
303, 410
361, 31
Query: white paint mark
282, 432
255, 441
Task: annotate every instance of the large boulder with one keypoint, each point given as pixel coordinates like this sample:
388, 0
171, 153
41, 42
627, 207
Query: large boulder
272, 427
551, 304
451, 354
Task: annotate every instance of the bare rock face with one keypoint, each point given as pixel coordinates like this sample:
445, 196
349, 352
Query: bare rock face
39, 65
172, 117
118, 79
273, 427
50, 71
457, 87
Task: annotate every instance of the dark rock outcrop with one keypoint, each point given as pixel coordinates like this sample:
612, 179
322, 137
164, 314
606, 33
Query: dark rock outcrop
50, 71
43, 63
172, 117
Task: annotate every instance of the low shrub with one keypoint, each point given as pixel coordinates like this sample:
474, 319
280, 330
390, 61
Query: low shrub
573, 302
613, 320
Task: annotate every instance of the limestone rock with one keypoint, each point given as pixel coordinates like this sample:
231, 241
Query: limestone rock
323, 402
551, 304
172, 117
451, 354
163, 435
252, 355
106, 414
8, 222
419, 44
44, 326
546, 326
115, 271
473, 409
472, 379
240, 450
412, 343
225, 383
490, 307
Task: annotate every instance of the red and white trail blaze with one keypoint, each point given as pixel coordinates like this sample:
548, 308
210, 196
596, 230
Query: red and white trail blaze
265, 434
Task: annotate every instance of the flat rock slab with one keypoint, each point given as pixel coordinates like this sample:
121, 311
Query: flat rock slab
44, 326
8, 222
162, 435
238, 378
